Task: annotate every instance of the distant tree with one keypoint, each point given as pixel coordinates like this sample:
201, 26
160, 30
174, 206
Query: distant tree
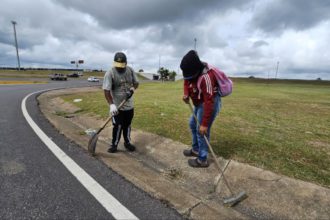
319, 79
164, 73
172, 75
141, 71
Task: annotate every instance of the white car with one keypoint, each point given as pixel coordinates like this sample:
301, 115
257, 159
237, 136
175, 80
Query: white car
93, 79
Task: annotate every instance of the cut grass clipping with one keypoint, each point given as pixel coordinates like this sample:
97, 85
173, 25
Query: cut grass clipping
283, 126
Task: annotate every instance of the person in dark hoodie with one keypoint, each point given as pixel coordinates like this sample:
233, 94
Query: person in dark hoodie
206, 101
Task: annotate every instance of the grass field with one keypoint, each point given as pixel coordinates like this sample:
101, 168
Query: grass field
3, 82
41, 73
283, 126
25, 74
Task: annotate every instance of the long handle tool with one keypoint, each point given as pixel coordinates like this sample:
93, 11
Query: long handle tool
94, 137
233, 199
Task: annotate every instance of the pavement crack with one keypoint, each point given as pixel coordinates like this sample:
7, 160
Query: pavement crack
270, 180
188, 212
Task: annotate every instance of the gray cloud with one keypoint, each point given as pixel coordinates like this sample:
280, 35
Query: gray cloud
131, 13
279, 15
260, 43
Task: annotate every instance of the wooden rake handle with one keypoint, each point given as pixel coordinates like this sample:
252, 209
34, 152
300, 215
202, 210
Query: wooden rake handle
210, 147
110, 117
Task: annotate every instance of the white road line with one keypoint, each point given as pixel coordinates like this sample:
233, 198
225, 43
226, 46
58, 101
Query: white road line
110, 203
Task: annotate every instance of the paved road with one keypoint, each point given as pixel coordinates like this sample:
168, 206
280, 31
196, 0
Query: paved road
34, 184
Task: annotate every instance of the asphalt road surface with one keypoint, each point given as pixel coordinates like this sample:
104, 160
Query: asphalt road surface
36, 184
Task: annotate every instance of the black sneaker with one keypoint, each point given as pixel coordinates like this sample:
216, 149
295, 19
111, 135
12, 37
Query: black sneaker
112, 149
129, 146
190, 153
198, 163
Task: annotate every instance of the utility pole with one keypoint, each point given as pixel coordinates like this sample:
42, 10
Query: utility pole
18, 62
278, 62
268, 74
195, 40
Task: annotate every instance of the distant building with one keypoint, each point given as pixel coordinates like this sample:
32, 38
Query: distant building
147, 75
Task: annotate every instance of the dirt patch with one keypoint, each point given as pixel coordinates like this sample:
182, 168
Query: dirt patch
65, 106
11, 167
320, 144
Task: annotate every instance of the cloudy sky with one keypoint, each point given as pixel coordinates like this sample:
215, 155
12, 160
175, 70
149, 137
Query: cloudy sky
241, 37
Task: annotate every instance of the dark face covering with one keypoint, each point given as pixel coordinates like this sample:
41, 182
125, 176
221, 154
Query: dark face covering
195, 76
120, 70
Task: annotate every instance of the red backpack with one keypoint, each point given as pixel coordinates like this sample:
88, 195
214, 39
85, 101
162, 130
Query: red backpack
224, 83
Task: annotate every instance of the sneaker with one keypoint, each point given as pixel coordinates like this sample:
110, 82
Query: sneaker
112, 149
190, 153
129, 146
198, 163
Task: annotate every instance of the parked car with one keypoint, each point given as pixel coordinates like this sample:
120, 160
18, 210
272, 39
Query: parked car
93, 79
73, 75
57, 76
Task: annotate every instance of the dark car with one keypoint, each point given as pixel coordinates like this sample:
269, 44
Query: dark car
73, 75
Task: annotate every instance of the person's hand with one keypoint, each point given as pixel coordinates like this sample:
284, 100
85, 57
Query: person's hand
130, 93
185, 98
113, 109
202, 130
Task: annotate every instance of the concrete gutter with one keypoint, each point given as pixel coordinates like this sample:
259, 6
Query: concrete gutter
159, 168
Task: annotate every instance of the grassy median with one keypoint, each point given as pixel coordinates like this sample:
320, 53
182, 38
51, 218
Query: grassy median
283, 126
42, 73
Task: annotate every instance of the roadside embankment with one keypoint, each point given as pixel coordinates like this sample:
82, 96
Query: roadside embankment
159, 168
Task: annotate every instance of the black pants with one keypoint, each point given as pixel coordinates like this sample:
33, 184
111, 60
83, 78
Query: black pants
122, 122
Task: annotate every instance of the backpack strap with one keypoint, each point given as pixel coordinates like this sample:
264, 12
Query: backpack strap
132, 72
200, 78
112, 77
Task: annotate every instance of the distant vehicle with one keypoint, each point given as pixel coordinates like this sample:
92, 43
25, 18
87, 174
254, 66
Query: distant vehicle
93, 79
57, 76
73, 75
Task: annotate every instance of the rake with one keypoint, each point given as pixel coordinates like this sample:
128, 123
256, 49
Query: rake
233, 199
95, 136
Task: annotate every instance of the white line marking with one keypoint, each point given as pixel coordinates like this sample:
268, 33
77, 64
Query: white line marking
110, 203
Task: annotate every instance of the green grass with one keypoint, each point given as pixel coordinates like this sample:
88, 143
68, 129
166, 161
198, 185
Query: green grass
45, 74
42, 73
4, 82
281, 125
